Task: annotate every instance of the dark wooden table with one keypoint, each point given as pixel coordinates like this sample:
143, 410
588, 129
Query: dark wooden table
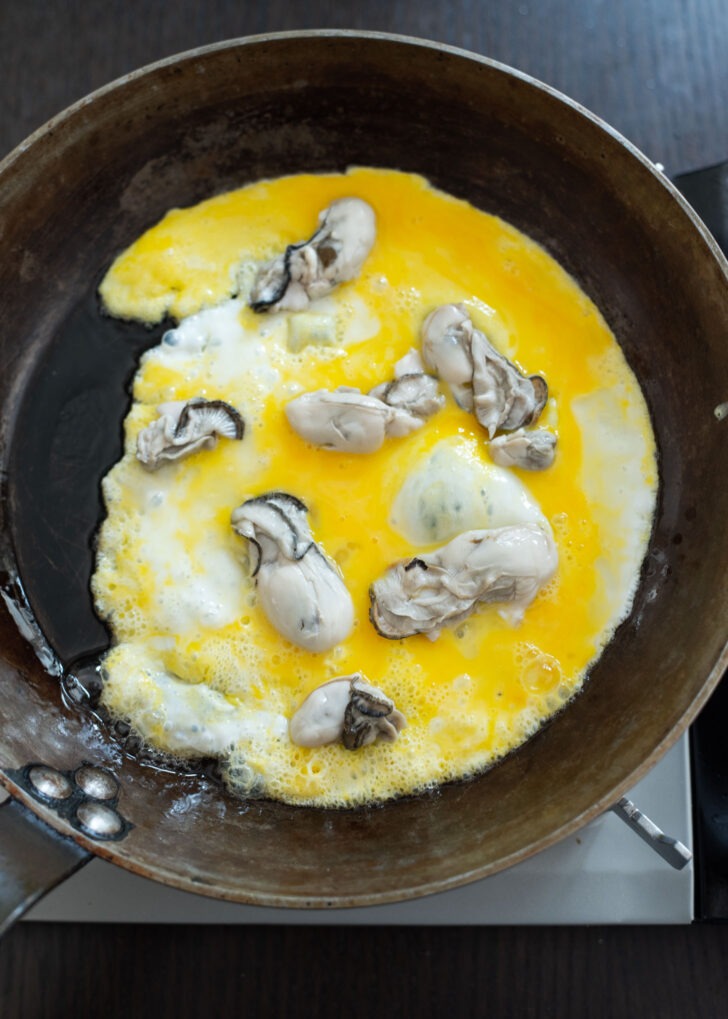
657, 70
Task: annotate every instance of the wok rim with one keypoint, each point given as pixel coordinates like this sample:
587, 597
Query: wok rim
655, 169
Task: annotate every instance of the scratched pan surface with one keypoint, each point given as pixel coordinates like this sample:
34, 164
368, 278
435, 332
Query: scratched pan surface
89, 182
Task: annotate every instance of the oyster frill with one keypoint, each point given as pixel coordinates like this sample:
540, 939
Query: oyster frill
313, 268
531, 451
300, 589
184, 428
481, 379
348, 710
441, 588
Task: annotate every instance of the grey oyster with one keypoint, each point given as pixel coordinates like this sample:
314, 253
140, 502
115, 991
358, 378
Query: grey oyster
183, 428
481, 379
349, 421
300, 589
531, 451
313, 268
347, 709
442, 588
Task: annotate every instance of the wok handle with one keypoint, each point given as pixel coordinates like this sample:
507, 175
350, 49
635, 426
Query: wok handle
669, 848
33, 859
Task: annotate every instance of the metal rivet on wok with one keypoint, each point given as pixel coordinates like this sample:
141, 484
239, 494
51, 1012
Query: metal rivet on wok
49, 783
96, 782
99, 820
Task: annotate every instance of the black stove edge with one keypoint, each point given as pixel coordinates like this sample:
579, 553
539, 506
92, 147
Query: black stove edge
707, 192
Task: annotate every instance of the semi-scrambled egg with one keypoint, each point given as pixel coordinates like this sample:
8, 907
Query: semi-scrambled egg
196, 667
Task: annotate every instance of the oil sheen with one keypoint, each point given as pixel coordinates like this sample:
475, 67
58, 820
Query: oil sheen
195, 667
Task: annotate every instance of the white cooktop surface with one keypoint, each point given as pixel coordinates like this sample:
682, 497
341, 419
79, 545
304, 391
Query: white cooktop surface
605, 874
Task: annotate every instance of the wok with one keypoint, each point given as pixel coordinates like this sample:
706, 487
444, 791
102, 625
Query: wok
86, 184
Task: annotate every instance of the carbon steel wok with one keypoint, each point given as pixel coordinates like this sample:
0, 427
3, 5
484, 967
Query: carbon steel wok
90, 181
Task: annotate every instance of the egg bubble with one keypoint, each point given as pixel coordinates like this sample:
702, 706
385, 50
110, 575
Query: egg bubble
550, 590
241, 778
379, 284
541, 674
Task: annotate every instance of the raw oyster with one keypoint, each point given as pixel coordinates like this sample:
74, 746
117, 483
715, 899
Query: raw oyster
347, 709
300, 589
440, 588
183, 428
349, 421
312, 268
531, 451
481, 379
413, 397
344, 419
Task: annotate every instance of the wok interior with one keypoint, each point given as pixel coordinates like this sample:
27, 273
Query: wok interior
215, 120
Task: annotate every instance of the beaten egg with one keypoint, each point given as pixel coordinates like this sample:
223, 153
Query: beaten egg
195, 666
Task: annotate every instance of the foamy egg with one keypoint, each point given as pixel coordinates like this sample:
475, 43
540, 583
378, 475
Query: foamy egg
196, 668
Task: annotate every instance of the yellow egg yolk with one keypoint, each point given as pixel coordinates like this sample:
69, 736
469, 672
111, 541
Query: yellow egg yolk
173, 579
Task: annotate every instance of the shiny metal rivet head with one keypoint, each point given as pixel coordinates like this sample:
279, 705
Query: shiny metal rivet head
49, 782
96, 782
99, 820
